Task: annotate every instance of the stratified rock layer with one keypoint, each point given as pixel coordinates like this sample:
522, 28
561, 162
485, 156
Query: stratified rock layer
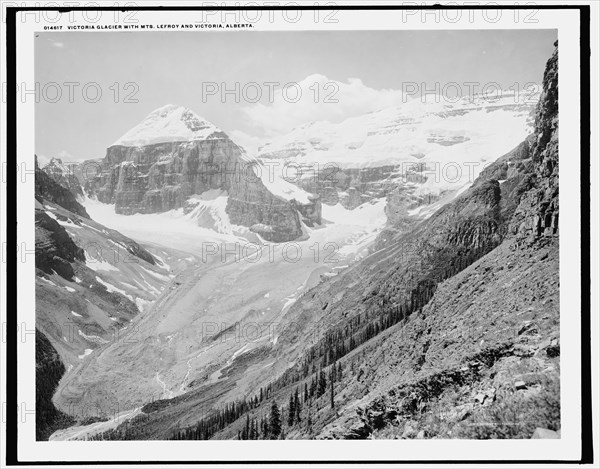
160, 177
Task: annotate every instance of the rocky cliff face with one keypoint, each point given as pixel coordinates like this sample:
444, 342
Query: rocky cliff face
537, 216
161, 173
47, 188
351, 187
64, 175
55, 251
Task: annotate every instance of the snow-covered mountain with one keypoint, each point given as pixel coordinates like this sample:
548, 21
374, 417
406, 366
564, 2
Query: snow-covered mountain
169, 123
174, 155
418, 130
431, 147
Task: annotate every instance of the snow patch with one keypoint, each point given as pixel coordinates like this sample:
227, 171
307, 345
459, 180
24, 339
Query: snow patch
97, 265
92, 338
164, 278
273, 179
141, 304
69, 224
85, 353
47, 281
111, 288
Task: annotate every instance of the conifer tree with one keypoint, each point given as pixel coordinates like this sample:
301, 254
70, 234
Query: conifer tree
297, 405
291, 411
274, 421
246, 431
322, 384
331, 386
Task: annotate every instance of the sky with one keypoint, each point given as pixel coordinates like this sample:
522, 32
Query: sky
340, 74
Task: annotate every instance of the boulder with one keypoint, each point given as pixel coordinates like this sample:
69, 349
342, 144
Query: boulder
520, 385
545, 434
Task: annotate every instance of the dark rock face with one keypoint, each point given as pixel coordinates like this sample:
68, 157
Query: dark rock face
351, 187
311, 212
537, 216
64, 175
54, 248
161, 177
48, 371
47, 188
86, 171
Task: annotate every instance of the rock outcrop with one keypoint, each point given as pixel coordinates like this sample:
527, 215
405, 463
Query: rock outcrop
64, 175
54, 248
350, 187
538, 214
47, 188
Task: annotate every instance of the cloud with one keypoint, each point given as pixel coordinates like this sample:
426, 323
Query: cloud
43, 160
65, 156
317, 98
60, 45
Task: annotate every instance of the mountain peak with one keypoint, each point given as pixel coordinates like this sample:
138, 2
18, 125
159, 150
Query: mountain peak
55, 165
169, 123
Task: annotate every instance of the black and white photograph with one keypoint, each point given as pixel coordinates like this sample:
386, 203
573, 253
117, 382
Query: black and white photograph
299, 227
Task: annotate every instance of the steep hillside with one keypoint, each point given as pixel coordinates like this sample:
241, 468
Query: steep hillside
90, 282
480, 359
